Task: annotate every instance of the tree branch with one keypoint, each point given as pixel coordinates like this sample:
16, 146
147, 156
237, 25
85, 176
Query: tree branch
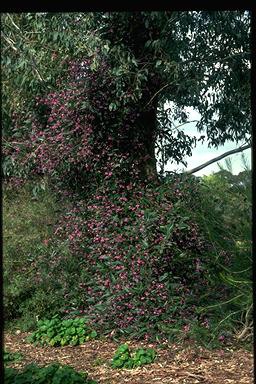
186, 122
31, 58
228, 153
166, 85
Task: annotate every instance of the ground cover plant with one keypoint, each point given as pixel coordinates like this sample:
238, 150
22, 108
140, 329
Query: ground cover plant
124, 358
51, 374
11, 356
56, 332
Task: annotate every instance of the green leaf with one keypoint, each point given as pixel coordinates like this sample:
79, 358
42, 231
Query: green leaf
72, 331
123, 348
129, 364
117, 364
164, 276
63, 342
55, 36
112, 106
93, 334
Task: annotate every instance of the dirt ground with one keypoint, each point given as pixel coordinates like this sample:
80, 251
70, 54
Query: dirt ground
177, 364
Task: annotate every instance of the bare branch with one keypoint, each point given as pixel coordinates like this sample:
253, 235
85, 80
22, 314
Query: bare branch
187, 122
228, 153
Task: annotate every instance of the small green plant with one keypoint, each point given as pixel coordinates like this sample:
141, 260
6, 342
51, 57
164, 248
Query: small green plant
9, 357
123, 358
57, 332
54, 373
144, 356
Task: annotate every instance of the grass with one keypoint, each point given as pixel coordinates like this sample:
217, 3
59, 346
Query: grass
28, 223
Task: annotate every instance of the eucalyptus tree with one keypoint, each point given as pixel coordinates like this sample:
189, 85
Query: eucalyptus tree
198, 59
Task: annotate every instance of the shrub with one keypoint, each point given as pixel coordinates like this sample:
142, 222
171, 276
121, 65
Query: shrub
227, 204
139, 261
56, 332
39, 272
53, 373
143, 256
139, 257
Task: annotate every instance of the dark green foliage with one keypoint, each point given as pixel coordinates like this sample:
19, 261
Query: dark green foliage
230, 196
56, 332
38, 271
144, 356
52, 374
25, 231
186, 228
9, 357
123, 358
191, 59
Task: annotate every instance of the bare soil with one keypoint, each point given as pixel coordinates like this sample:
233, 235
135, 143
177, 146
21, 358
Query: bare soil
176, 364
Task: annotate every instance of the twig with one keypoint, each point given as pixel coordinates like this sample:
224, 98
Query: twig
9, 42
15, 25
165, 86
196, 376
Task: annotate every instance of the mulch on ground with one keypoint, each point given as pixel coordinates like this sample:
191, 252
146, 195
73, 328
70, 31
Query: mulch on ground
176, 364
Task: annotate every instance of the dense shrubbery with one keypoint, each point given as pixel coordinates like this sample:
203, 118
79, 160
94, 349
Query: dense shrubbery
229, 199
144, 263
35, 272
142, 258
135, 259
79, 136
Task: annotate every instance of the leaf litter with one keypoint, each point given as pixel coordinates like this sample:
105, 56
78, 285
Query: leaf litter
177, 364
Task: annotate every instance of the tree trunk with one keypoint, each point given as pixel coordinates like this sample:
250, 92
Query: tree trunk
146, 124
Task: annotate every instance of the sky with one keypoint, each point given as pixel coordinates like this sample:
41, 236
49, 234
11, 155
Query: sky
202, 153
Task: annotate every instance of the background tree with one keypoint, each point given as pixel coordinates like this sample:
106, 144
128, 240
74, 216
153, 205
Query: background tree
196, 59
